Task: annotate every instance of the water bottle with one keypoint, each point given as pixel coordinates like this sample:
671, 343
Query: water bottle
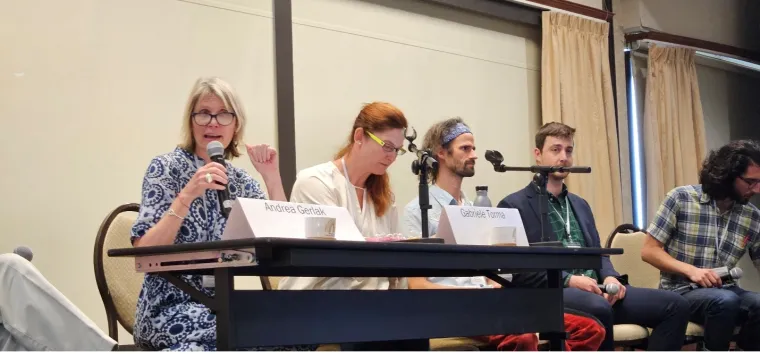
481, 200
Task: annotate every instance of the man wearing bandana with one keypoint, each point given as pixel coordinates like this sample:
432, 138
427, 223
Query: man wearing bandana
453, 146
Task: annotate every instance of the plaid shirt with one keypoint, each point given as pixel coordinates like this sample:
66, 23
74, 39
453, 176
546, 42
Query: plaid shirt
691, 228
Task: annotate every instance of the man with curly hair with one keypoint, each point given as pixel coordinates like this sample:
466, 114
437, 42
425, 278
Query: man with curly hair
699, 228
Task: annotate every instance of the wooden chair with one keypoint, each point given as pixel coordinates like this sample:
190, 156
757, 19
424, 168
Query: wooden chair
118, 282
640, 274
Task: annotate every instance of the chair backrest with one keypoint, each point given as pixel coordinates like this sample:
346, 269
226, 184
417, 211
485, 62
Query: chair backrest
270, 283
118, 282
631, 240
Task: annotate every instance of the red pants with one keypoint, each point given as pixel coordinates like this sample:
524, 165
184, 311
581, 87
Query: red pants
584, 334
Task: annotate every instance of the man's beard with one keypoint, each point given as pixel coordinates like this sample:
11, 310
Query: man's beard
740, 199
465, 171
559, 175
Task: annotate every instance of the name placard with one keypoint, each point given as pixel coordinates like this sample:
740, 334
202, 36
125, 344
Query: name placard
469, 225
267, 218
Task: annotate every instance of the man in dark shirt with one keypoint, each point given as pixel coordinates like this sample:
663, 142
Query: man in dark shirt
571, 221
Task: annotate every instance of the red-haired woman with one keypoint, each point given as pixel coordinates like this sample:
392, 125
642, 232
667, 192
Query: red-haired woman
357, 180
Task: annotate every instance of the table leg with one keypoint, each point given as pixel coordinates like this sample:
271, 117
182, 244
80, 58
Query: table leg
223, 287
556, 339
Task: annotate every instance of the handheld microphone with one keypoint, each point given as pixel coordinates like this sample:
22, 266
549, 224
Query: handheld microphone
24, 252
723, 272
611, 289
215, 151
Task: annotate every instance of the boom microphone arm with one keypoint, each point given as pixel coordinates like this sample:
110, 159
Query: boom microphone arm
541, 178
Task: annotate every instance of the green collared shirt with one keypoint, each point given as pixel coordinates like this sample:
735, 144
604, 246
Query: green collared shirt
560, 210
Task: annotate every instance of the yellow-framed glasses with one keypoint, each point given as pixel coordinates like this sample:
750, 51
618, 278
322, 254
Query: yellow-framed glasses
387, 147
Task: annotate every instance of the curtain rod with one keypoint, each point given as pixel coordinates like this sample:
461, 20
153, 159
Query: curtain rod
741, 53
573, 7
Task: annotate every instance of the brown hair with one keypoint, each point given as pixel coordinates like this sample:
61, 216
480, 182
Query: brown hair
215, 86
553, 129
434, 137
376, 117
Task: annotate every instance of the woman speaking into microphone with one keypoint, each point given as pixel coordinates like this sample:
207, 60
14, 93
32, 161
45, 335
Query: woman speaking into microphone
180, 204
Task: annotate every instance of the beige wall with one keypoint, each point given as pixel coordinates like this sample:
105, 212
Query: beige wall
96, 89
483, 70
591, 3
92, 90
732, 22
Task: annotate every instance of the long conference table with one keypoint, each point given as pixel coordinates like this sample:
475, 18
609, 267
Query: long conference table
252, 318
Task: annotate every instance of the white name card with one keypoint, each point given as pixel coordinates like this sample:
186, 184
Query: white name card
469, 225
265, 218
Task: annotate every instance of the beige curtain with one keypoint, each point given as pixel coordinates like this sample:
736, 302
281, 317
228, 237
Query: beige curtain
674, 129
576, 89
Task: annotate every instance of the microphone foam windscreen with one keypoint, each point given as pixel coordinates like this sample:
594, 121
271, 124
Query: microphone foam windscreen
25, 252
215, 148
736, 273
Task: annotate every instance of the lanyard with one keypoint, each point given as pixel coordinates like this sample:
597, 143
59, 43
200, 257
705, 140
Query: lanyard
354, 210
566, 220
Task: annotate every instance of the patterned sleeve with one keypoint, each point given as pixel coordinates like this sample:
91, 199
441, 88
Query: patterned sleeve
753, 242
664, 223
754, 251
159, 189
251, 188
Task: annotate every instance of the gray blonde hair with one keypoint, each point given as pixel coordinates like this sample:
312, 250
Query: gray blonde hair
220, 88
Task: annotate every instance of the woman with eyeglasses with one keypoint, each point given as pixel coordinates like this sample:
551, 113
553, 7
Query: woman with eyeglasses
356, 179
180, 205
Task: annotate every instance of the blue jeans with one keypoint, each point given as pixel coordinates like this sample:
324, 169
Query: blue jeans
720, 310
664, 311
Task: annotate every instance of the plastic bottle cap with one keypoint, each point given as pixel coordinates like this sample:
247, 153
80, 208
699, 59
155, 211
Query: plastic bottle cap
481, 188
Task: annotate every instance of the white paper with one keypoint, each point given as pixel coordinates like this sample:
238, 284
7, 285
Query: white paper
470, 225
265, 218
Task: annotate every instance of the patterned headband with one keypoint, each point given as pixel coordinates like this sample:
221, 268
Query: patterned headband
452, 134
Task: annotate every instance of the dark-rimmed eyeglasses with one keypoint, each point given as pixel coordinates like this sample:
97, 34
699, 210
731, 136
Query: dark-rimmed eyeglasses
750, 181
205, 118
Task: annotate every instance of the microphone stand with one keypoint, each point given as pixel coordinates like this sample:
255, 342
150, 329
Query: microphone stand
541, 179
420, 167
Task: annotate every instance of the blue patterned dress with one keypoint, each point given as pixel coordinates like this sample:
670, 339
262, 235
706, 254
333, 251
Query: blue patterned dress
167, 318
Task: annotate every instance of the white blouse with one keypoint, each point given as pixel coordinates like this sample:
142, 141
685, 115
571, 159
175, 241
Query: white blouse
324, 184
